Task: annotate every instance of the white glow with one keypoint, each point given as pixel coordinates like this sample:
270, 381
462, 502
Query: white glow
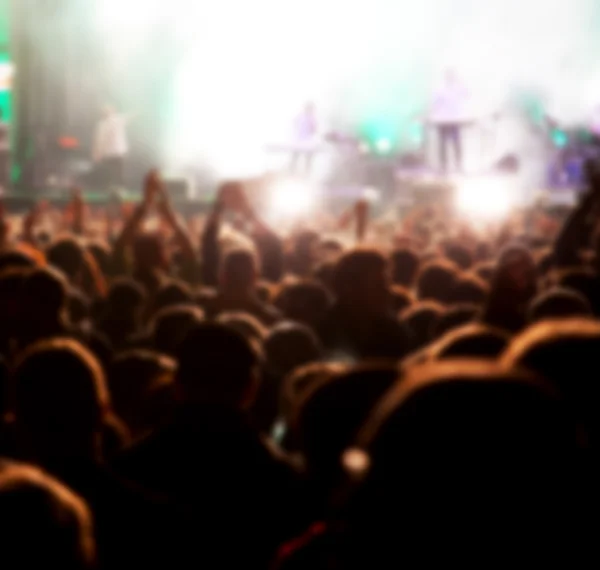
291, 199
485, 198
245, 67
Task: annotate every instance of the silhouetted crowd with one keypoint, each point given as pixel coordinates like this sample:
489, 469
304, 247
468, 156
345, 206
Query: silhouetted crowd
215, 394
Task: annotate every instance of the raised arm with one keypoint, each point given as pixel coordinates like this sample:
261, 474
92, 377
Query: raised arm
165, 209
268, 243
577, 229
209, 246
132, 225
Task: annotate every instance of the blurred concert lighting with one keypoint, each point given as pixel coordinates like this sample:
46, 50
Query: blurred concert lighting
483, 199
291, 199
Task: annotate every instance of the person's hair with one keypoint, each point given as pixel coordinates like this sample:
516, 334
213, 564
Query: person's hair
564, 351
304, 301
348, 397
445, 436
456, 316
459, 255
405, 266
436, 281
324, 273
289, 345
61, 397
584, 281
556, 303
45, 294
141, 386
245, 324
469, 289
301, 380
353, 268
171, 325
14, 259
421, 319
173, 293
216, 365
471, 341
126, 297
239, 270
67, 255
44, 524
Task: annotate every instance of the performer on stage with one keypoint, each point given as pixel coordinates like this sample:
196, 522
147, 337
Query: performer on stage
111, 146
306, 130
448, 113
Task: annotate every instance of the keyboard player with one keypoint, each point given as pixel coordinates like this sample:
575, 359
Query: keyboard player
447, 115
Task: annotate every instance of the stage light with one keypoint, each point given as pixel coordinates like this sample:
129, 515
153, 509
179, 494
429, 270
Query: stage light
291, 199
383, 145
371, 195
485, 199
560, 138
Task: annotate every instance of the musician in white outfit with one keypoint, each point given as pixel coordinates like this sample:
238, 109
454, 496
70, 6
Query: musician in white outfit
306, 133
448, 113
111, 146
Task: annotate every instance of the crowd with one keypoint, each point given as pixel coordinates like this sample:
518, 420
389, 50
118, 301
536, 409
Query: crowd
219, 395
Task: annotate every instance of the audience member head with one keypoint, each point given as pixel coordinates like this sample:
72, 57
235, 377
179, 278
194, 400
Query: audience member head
126, 299
556, 303
14, 259
469, 289
44, 524
422, 319
305, 302
405, 266
44, 302
61, 400
361, 282
68, 256
171, 325
513, 286
565, 352
332, 412
288, 346
440, 441
456, 316
435, 281
217, 367
173, 293
471, 341
239, 273
584, 281
141, 386
459, 255
245, 324
324, 273
300, 381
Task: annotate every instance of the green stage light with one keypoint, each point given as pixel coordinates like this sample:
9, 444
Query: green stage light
560, 138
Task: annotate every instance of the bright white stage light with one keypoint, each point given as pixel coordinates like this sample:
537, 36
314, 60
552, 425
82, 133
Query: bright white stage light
291, 199
484, 199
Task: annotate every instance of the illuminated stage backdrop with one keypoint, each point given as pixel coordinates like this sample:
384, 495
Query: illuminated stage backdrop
214, 81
